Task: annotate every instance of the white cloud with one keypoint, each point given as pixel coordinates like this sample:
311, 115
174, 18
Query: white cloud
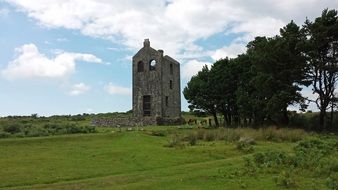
192, 67
62, 40
78, 89
173, 25
119, 90
32, 64
4, 12
230, 51
266, 26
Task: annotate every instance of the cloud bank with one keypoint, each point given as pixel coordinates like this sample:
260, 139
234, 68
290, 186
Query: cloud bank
173, 25
30, 63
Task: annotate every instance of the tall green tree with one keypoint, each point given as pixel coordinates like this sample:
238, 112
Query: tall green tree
224, 78
322, 54
199, 93
250, 105
281, 70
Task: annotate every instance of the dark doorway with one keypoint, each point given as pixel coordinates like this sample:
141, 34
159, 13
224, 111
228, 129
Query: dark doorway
146, 105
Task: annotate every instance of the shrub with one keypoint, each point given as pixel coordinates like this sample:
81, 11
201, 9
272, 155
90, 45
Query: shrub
332, 182
245, 144
312, 145
271, 158
192, 139
37, 132
90, 129
4, 134
286, 179
13, 128
309, 153
248, 140
72, 128
174, 141
53, 128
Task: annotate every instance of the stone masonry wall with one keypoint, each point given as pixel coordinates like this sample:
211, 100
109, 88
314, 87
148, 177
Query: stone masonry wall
156, 83
132, 121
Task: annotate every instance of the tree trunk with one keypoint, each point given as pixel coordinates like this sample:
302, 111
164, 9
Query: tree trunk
227, 119
285, 117
331, 117
322, 115
215, 118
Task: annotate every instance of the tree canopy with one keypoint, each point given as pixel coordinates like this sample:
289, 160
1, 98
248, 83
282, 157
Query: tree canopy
258, 86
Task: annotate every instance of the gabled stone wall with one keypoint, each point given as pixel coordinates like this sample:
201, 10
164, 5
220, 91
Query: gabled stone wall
161, 83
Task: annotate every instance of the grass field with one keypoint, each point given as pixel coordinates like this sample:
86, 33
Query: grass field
158, 158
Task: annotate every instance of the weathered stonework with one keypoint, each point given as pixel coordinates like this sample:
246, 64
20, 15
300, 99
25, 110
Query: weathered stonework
133, 121
156, 91
156, 88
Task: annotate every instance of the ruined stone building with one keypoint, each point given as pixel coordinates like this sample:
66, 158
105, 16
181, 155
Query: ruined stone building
156, 84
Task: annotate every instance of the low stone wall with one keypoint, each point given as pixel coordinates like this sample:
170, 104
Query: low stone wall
170, 121
132, 121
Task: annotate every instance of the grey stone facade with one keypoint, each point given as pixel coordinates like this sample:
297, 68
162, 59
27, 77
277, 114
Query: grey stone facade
156, 84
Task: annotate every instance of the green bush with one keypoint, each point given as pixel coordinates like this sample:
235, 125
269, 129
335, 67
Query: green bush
286, 179
245, 147
18, 129
314, 145
332, 182
310, 153
13, 128
245, 144
271, 158
37, 132
4, 134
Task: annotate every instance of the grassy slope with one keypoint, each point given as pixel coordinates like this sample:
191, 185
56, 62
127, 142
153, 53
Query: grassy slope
127, 160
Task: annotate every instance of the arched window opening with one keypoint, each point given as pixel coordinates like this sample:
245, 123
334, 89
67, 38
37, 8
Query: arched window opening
152, 65
171, 69
171, 84
166, 101
140, 66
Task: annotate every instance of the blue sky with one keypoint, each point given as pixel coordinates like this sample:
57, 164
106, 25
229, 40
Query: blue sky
70, 57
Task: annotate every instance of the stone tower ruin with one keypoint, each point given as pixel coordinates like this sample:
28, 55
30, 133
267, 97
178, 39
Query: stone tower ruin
156, 85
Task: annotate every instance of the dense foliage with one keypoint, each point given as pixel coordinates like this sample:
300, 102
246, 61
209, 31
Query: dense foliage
258, 86
34, 125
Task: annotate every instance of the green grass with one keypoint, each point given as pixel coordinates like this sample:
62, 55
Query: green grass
139, 160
